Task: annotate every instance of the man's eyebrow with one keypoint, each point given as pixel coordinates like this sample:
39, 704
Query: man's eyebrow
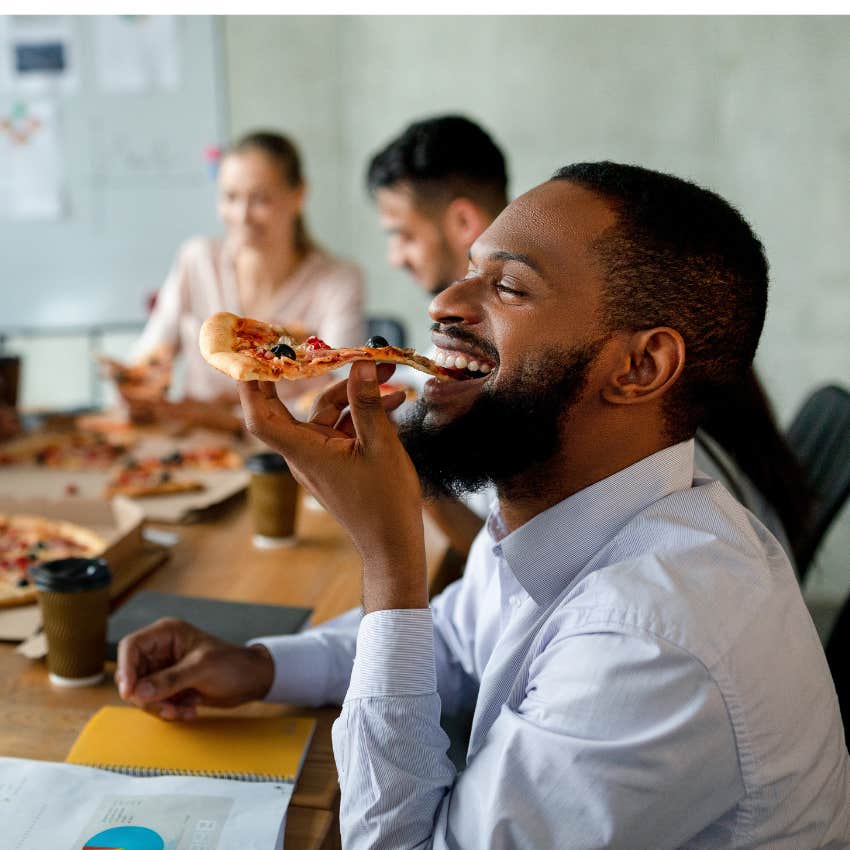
512, 255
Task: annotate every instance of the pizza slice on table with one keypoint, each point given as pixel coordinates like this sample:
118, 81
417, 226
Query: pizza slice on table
250, 350
138, 482
62, 451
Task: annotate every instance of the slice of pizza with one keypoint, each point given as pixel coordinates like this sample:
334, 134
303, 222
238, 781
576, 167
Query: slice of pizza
250, 350
71, 451
207, 458
141, 481
148, 378
29, 540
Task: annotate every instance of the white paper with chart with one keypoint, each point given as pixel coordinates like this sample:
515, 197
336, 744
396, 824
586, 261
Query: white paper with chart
68, 807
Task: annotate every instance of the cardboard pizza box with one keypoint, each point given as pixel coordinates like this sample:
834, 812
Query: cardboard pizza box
55, 484
118, 521
29, 480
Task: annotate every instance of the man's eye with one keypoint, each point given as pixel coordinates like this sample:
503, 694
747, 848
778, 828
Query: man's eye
507, 290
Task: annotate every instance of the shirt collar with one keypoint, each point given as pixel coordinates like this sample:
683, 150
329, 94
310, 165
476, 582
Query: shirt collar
549, 551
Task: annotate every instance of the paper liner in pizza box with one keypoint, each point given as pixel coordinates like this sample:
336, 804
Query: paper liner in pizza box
118, 522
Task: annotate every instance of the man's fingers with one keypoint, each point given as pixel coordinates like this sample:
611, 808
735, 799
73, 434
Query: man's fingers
364, 400
329, 405
269, 390
164, 684
391, 401
125, 672
183, 706
265, 414
385, 372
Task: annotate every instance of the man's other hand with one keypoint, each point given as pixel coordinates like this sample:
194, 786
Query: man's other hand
170, 668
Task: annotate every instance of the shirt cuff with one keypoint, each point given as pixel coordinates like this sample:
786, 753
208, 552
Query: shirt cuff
300, 668
395, 655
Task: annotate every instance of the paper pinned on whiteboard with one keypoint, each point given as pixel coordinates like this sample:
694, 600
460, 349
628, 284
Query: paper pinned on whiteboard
136, 53
31, 162
38, 54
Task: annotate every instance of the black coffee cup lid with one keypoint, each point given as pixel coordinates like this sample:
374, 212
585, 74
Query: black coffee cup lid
71, 575
266, 462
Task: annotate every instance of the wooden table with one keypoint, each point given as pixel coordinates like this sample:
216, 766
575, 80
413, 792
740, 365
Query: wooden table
214, 558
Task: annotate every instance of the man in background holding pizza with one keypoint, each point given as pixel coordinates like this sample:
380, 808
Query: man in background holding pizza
629, 636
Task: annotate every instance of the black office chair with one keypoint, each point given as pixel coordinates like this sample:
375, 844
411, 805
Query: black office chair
820, 438
392, 330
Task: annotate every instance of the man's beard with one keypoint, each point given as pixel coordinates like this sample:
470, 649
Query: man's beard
505, 434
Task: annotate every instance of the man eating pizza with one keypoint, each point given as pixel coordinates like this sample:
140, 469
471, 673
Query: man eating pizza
643, 669
437, 186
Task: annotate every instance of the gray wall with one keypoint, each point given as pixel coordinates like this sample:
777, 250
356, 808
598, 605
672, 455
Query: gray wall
753, 107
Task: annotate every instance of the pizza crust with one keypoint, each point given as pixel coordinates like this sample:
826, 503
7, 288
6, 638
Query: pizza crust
142, 489
219, 342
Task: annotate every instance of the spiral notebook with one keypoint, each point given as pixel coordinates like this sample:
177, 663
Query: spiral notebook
128, 740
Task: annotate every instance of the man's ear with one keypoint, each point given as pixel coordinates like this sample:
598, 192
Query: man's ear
464, 221
649, 364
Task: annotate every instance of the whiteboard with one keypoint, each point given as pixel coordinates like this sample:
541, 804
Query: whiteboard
136, 185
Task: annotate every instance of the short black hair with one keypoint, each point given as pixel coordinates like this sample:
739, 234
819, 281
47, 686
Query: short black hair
441, 159
680, 256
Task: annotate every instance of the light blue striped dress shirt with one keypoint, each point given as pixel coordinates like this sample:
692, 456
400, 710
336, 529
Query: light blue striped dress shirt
643, 671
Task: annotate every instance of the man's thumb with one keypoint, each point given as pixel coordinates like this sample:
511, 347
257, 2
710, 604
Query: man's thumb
364, 400
164, 684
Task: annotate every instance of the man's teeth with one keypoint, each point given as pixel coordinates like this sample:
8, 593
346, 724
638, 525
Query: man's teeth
459, 361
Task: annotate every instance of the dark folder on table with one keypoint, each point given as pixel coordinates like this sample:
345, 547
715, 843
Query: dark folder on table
237, 622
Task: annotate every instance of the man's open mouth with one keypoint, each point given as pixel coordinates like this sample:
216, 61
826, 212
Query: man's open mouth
463, 362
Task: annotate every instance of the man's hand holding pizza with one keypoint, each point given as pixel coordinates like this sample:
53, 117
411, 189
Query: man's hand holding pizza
349, 456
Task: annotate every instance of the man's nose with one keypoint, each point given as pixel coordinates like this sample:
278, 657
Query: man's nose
460, 302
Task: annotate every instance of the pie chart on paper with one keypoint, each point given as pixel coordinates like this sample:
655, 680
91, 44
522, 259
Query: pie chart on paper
125, 838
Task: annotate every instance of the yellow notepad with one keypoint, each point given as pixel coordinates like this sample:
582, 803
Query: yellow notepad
128, 740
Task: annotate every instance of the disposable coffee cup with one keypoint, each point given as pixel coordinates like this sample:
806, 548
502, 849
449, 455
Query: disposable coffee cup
273, 497
74, 597
10, 375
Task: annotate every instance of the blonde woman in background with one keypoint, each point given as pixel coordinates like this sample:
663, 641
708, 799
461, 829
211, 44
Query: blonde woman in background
266, 266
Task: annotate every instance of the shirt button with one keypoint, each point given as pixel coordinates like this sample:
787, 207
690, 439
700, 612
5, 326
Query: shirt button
516, 600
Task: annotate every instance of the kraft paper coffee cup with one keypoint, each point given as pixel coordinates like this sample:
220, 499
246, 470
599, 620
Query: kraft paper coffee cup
74, 597
273, 497
10, 375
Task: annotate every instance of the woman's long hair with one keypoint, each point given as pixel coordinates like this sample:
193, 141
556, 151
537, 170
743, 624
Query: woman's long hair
284, 154
742, 422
